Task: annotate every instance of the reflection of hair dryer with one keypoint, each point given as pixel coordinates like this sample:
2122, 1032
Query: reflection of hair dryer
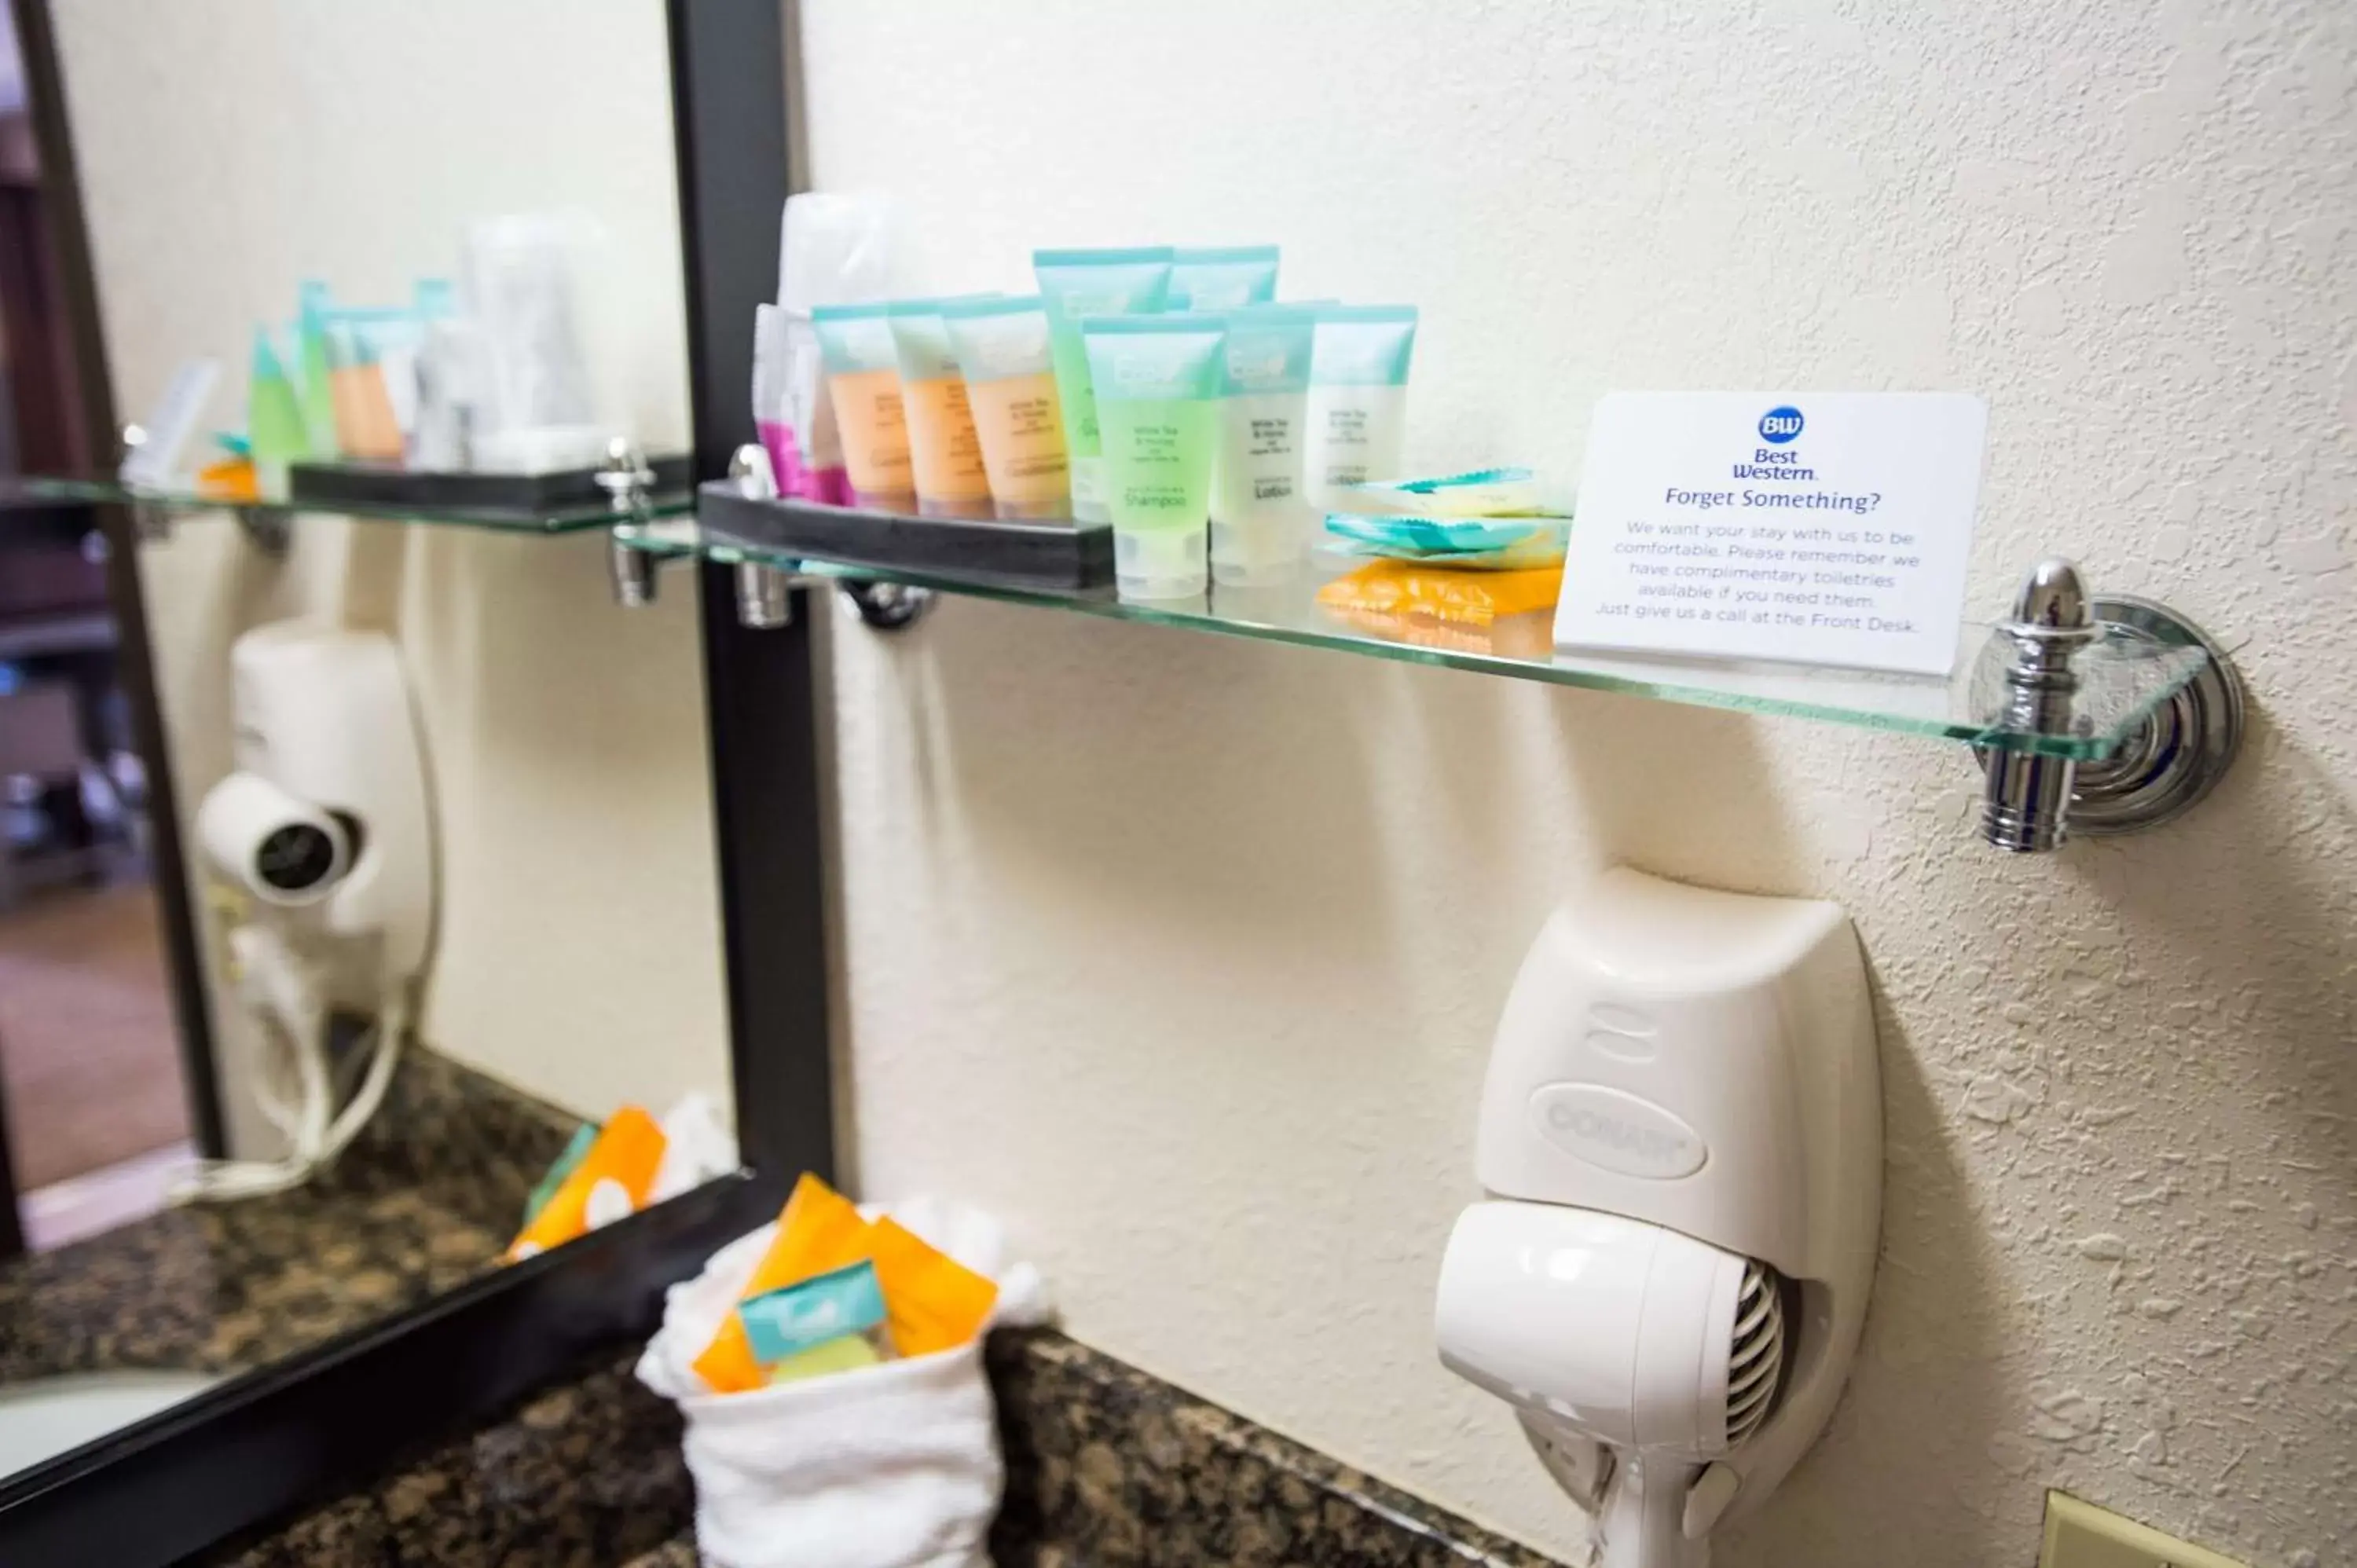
1683, 1122
324, 827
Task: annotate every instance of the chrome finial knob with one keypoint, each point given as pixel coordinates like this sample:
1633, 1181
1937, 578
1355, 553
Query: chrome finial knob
2054, 600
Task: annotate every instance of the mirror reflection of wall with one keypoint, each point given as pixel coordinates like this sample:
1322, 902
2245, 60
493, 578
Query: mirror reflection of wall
227, 152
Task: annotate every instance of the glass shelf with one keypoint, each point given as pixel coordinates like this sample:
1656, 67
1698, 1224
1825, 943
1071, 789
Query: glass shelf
567, 518
2123, 677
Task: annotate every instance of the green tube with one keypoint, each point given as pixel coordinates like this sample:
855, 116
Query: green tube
274, 420
1073, 286
311, 332
1155, 379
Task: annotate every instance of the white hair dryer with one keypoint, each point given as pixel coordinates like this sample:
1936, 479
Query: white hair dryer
324, 830
1682, 1128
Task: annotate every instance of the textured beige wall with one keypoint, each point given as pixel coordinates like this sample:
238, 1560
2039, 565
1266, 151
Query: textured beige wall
230, 149
1183, 953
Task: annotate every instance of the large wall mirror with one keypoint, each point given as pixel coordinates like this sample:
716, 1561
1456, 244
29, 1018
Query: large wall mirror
562, 992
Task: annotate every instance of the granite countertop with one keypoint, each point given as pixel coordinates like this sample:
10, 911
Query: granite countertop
228, 1287
1107, 1468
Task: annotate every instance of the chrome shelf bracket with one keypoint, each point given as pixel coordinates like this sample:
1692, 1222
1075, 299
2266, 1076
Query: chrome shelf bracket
2032, 803
765, 594
765, 598
268, 530
887, 606
627, 478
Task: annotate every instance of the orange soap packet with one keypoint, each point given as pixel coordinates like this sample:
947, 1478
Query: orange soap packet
1459, 597
818, 1231
932, 1301
629, 1151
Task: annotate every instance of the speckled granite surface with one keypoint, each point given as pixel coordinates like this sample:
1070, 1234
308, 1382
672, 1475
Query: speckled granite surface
586, 1475
422, 1202
1107, 1468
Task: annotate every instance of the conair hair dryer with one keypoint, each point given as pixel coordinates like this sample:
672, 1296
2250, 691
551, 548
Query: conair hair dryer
1683, 1130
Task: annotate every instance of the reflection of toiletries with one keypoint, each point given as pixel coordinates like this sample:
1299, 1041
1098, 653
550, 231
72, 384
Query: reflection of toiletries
1074, 286
1222, 278
390, 339
1011, 382
1358, 396
863, 381
1260, 521
449, 396
365, 425
568, 1160
311, 332
945, 452
611, 1180
538, 411
1155, 376
274, 420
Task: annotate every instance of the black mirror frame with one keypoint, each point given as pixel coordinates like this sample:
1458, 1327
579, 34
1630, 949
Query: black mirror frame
265, 1444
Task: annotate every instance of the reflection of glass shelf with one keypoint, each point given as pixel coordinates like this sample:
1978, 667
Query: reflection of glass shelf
570, 518
2123, 677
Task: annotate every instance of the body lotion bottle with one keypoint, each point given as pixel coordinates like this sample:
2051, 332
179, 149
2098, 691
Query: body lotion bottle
1357, 398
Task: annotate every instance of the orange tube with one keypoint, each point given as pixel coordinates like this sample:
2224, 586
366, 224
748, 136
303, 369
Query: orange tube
944, 450
365, 425
874, 424
1022, 432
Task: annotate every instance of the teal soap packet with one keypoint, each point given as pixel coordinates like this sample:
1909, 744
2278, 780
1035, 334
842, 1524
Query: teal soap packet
1488, 544
781, 1323
1476, 492
575, 1151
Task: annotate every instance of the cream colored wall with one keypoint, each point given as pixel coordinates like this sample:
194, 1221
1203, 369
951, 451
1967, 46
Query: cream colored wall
1183, 953
230, 149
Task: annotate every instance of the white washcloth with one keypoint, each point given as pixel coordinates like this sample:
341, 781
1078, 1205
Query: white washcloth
889, 1467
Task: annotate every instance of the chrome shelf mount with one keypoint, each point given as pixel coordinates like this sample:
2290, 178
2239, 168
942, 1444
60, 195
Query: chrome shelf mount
2032, 803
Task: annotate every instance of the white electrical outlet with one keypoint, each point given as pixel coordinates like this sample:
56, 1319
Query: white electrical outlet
2081, 1535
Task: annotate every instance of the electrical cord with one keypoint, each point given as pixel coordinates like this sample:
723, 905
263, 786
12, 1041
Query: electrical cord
294, 1033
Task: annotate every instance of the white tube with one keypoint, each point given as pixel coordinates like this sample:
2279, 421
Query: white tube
1260, 518
1357, 398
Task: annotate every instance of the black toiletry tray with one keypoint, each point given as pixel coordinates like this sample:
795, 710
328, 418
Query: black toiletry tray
390, 486
1053, 554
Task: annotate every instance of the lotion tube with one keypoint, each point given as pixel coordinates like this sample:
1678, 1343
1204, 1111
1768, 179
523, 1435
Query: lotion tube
1260, 520
1073, 286
863, 381
1155, 379
945, 455
1222, 278
1358, 397
1010, 384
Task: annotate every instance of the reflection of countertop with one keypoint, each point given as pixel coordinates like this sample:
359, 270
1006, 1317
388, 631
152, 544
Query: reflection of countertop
1106, 1466
225, 1288
424, 1201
